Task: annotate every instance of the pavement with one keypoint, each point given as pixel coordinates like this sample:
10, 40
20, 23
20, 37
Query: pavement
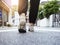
5, 29
11, 36
29, 38
36, 29
39, 29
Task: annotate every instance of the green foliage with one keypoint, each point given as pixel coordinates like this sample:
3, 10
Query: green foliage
51, 7
40, 13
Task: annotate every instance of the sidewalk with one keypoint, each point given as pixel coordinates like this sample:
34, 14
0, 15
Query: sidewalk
5, 27
38, 29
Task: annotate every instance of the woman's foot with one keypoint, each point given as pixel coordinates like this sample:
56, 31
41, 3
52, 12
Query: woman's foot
22, 31
31, 28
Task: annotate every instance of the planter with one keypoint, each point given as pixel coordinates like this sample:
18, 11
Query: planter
43, 23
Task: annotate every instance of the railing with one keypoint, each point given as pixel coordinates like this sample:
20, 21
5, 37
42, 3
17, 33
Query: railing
56, 20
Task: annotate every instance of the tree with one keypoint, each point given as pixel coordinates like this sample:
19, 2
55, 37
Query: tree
51, 7
40, 13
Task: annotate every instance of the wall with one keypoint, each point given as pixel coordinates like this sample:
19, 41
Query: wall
45, 22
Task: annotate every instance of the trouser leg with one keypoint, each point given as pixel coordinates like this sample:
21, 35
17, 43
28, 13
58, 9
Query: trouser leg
34, 5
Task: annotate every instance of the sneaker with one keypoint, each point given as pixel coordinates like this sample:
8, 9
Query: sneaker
31, 29
22, 31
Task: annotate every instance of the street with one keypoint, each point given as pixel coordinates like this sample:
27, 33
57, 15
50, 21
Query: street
30, 38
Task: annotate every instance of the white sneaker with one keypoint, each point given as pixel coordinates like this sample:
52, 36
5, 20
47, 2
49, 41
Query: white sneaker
31, 29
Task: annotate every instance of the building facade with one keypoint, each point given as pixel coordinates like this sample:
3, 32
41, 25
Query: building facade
5, 6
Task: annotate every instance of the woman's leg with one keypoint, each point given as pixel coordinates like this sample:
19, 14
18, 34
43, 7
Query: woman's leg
22, 6
22, 9
34, 5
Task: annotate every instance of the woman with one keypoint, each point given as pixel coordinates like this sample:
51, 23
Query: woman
34, 4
